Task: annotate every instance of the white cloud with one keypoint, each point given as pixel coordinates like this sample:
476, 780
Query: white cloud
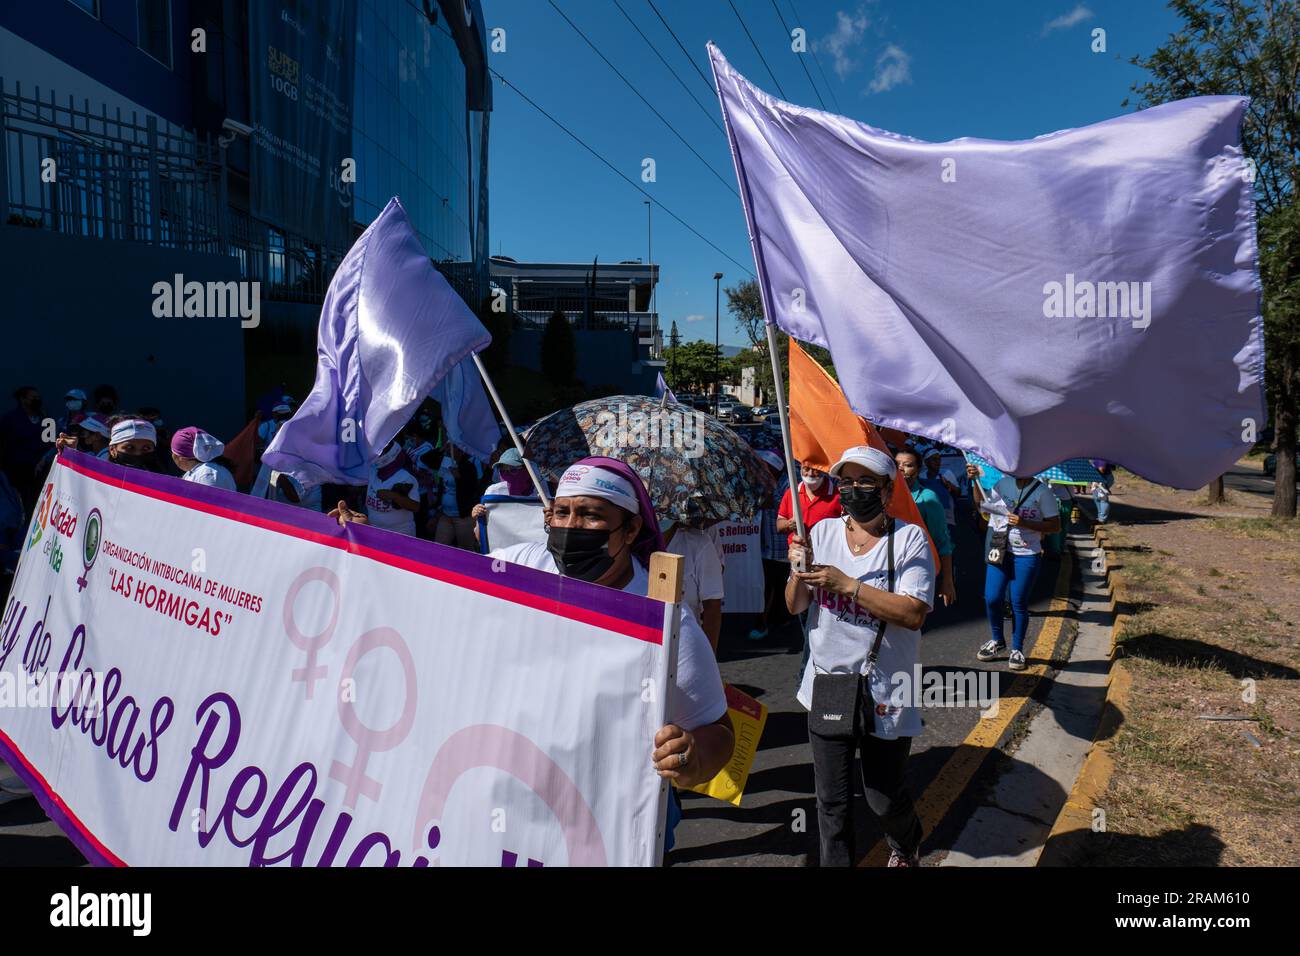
893, 68
1067, 20
844, 41
696, 318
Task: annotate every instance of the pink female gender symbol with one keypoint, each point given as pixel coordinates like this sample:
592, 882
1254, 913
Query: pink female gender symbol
373, 741
312, 672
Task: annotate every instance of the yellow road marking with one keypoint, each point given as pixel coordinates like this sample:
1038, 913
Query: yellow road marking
933, 805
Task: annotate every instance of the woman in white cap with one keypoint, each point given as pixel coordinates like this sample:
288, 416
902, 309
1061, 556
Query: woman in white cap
603, 529
870, 582
195, 453
132, 442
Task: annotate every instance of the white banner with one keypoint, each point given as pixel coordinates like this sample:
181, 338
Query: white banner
510, 521
247, 683
742, 557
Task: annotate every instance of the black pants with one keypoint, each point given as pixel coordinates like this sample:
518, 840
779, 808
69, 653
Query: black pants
883, 762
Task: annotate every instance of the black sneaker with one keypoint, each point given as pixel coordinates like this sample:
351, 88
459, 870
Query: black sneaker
991, 650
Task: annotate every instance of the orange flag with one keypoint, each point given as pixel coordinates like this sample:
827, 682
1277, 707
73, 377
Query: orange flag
241, 451
822, 426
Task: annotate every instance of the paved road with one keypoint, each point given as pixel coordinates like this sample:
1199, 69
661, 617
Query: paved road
764, 831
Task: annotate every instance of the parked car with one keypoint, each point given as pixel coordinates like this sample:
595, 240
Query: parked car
763, 411
725, 410
1270, 464
741, 413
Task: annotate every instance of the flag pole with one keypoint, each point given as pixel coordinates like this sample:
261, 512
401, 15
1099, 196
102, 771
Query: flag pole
514, 436
777, 384
784, 413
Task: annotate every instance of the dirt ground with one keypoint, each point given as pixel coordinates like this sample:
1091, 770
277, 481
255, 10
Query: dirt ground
1212, 595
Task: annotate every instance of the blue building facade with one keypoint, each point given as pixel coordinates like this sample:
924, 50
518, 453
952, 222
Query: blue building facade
251, 139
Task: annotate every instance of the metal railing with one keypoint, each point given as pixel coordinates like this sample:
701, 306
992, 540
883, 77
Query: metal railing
70, 169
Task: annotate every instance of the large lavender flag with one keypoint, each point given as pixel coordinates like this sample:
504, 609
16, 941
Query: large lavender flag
1092, 293
391, 328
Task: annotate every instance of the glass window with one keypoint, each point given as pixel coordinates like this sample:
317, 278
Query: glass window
90, 6
154, 29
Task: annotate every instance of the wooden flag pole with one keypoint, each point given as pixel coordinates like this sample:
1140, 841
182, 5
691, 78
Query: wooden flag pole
514, 436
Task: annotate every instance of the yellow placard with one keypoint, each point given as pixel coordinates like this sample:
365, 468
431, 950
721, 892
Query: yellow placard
748, 717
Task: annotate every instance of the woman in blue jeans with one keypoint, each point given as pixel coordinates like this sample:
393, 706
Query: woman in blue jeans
1026, 509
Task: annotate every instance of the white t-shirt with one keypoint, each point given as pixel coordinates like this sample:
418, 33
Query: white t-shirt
211, 474
697, 698
385, 514
841, 632
1040, 505
701, 569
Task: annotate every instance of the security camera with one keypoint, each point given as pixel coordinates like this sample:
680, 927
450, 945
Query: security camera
234, 128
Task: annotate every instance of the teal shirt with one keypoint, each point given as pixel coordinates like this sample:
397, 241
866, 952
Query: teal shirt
936, 522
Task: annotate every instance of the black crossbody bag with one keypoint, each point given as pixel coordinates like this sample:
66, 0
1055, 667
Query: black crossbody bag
996, 551
837, 699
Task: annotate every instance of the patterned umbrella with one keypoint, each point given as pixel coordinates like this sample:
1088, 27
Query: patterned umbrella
697, 470
1072, 471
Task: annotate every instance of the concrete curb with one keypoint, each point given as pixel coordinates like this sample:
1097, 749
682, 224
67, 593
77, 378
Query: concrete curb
1065, 843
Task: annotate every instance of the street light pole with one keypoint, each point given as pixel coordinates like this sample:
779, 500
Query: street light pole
717, 348
649, 264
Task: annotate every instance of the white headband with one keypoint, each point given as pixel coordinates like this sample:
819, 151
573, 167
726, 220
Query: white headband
595, 482
133, 428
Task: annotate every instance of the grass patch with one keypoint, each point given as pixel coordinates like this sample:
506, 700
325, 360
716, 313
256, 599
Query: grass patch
1266, 528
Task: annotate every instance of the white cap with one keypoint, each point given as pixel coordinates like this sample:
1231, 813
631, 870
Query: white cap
130, 428
873, 459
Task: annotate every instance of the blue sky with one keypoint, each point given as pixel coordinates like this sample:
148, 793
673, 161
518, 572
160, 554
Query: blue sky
934, 70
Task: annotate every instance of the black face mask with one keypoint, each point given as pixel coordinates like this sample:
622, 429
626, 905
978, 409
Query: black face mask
143, 462
862, 504
581, 553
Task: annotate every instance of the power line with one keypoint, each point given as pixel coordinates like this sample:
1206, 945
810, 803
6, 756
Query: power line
640, 96
712, 89
712, 119
816, 59
576, 138
757, 50
786, 28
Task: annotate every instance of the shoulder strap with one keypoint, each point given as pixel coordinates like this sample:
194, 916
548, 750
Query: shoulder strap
880, 631
1029, 490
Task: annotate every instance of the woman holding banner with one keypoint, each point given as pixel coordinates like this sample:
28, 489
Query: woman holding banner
870, 591
603, 529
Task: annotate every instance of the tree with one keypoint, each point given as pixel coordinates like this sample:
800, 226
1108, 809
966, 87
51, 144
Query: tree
674, 340
692, 367
559, 362
1239, 48
745, 303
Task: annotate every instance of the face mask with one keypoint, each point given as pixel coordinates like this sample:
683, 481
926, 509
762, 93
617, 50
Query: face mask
812, 484
73, 405
581, 553
862, 504
132, 461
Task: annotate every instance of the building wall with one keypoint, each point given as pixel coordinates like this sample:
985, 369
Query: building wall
79, 313
104, 50
409, 130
